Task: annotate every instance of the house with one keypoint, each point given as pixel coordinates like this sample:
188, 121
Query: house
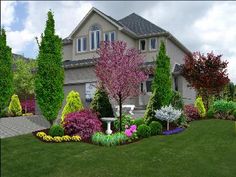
79, 52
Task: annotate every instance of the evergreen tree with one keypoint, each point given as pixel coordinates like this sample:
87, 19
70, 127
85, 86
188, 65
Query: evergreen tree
6, 73
101, 103
161, 85
50, 74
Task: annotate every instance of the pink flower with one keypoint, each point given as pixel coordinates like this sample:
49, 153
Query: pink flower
133, 128
128, 133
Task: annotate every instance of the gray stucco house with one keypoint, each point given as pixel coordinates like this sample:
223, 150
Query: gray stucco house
79, 53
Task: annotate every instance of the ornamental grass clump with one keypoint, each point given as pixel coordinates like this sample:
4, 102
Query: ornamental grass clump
115, 139
83, 123
15, 108
168, 114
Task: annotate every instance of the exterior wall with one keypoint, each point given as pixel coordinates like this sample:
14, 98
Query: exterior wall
67, 52
188, 94
131, 43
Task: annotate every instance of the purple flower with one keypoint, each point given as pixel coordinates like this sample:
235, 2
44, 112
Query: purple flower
128, 133
170, 132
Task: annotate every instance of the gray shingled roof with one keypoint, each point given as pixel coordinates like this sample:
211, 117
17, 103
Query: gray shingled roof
139, 25
79, 63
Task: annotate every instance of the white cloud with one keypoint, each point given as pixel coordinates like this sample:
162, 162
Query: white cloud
7, 13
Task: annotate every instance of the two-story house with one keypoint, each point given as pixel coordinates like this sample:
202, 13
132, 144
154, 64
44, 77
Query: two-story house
80, 52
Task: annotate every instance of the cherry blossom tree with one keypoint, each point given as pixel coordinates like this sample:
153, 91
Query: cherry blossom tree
119, 70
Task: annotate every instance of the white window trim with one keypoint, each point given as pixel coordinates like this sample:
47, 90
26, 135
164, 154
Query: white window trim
145, 45
81, 44
95, 40
150, 46
114, 35
109, 35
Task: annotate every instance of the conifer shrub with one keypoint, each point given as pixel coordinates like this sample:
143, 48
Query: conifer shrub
14, 108
200, 107
177, 101
56, 130
73, 104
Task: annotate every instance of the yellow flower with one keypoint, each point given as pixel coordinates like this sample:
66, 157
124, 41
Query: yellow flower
41, 134
76, 138
66, 138
47, 138
57, 139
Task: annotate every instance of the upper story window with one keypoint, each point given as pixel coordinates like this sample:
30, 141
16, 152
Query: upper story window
142, 44
94, 36
110, 36
153, 44
81, 44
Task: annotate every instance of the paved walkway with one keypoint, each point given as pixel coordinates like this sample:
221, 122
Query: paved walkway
13, 126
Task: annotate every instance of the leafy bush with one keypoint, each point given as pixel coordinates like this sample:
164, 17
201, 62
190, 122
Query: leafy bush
222, 109
109, 140
176, 100
56, 130
73, 104
138, 121
156, 128
168, 114
83, 123
144, 131
191, 112
200, 107
28, 106
102, 104
14, 108
125, 120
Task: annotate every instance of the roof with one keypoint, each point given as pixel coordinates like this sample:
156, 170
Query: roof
140, 26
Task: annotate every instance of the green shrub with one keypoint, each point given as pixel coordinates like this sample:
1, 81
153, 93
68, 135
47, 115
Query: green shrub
210, 113
156, 128
200, 107
125, 120
144, 131
73, 104
101, 104
177, 101
138, 121
100, 138
14, 108
56, 130
182, 121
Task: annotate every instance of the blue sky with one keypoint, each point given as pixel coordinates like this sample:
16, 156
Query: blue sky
200, 26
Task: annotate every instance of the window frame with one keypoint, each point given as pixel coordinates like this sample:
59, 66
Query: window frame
81, 44
145, 45
150, 44
96, 46
109, 33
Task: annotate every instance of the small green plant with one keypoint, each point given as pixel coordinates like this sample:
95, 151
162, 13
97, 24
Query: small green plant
144, 131
177, 101
73, 104
156, 128
125, 120
200, 107
100, 138
138, 121
56, 130
14, 108
210, 113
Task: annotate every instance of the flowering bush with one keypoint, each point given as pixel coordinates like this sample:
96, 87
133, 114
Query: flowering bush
57, 139
48, 138
66, 138
191, 112
131, 132
109, 140
170, 132
125, 120
83, 123
41, 134
168, 113
28, 106
76, 138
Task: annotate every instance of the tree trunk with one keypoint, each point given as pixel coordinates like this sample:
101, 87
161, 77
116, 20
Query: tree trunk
168, 125
120, 105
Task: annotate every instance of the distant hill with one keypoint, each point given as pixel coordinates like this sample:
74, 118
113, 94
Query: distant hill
17, 56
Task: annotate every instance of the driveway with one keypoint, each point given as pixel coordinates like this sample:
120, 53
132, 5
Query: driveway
13, 126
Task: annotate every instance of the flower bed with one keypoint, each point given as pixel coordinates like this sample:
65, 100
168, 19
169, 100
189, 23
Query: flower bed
174, 131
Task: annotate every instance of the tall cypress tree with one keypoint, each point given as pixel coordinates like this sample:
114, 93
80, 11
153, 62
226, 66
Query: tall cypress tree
50, 74
161, 85
6, 73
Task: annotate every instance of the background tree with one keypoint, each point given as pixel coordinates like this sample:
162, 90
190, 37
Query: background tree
161, 85
50, 74
119, 71
207, 74
101, 103
24, 78
6, 73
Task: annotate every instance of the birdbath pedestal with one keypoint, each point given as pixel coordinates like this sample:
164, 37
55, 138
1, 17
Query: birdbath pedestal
108, 120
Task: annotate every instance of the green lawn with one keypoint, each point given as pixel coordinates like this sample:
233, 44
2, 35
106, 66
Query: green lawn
206, 149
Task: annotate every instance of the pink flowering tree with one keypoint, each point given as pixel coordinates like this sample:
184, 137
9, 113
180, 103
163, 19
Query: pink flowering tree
120, 71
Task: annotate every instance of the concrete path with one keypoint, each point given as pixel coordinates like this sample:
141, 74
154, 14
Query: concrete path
13, 126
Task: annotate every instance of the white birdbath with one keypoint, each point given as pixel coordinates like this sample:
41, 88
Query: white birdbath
108, 120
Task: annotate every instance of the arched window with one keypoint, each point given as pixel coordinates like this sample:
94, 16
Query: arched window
94, 36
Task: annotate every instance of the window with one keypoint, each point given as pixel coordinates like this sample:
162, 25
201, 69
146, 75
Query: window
153, 44
142, 44
109, 36
81, 44
176, 84
147, 85
94, 39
